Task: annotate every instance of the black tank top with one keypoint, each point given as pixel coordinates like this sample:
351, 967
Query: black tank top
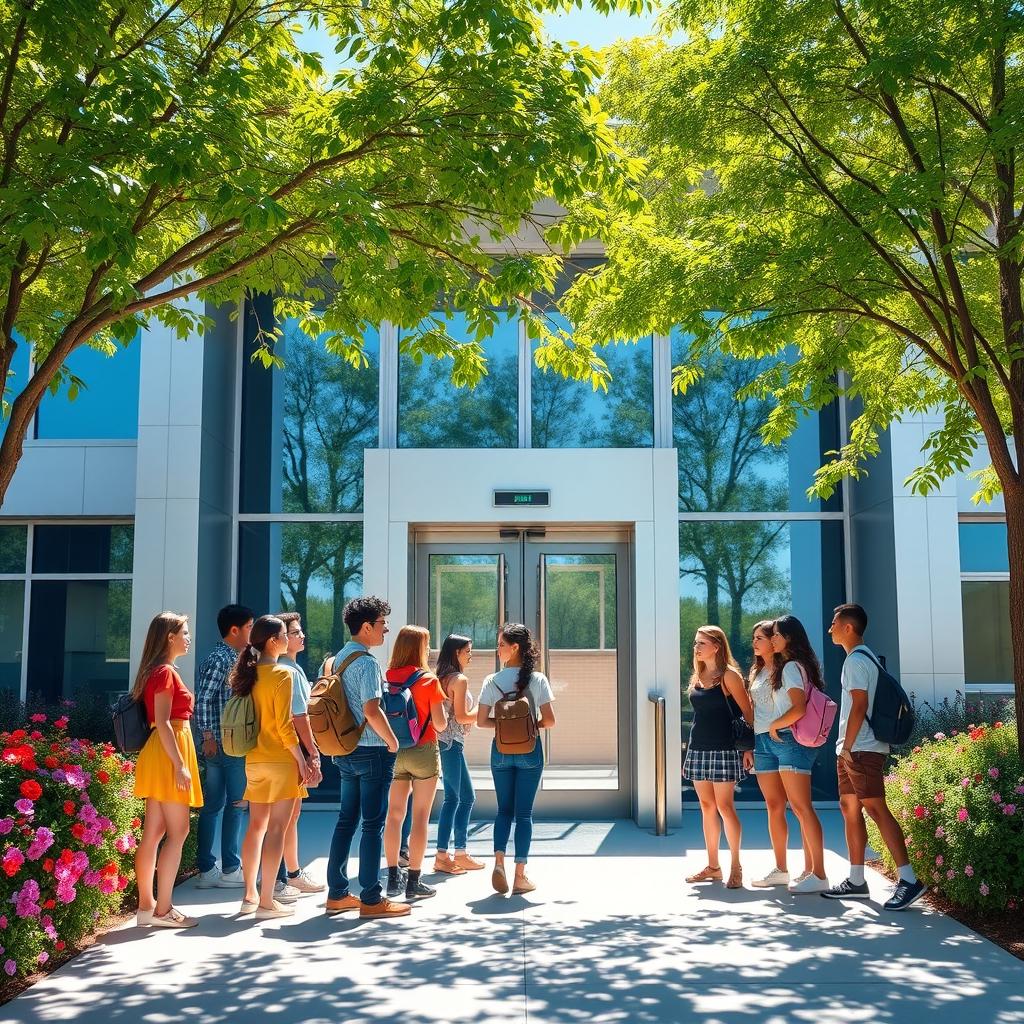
712, 719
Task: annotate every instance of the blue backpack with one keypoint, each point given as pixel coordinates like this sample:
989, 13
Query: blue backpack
400, 711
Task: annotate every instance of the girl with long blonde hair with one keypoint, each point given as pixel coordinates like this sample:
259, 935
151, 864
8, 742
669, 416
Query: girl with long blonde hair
167, 772
416, 768
714, 766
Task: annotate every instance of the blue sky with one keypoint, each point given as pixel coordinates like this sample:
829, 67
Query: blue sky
586, 27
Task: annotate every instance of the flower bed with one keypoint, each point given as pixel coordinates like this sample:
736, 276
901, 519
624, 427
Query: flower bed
68, 831
960, 800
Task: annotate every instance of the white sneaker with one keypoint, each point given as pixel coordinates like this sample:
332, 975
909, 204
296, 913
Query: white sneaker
811, 884
305, 884
284, 891
803, 874
231, 880
209, 879
774, 877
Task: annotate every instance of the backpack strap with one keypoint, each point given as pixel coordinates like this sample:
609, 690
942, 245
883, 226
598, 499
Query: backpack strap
337, 670
867, 654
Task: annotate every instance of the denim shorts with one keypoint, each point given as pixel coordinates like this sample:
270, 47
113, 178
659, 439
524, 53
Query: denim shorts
785, 756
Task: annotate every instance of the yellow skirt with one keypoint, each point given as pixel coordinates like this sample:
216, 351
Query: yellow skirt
154, 772
270, 781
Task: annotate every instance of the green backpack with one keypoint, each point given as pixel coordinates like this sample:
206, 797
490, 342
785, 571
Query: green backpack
239, 727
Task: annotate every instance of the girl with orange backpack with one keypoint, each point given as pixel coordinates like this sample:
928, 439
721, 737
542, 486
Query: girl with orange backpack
516, 704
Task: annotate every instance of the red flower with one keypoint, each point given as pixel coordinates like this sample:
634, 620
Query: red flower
110, 868
59, 945
78, 830
69, 807
977, 778
997, 725
103, 776
31, 789
126, 766
49, 905
61, 723
35, 734
919, 811
51, 761
48, 865
18, 735
136, 823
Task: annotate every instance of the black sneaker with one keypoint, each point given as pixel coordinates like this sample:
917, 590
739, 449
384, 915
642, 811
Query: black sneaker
396, 884
846, 890
418, 891
403, 858
906, 894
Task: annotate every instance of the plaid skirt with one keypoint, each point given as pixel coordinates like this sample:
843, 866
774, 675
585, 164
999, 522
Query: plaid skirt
713, 766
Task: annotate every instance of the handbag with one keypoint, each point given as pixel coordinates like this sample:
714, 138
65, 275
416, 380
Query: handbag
742, 731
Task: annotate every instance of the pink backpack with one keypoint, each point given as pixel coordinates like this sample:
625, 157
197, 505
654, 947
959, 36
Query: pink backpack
813, 728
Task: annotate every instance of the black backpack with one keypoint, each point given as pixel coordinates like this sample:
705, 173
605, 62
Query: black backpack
131, 724
892, 715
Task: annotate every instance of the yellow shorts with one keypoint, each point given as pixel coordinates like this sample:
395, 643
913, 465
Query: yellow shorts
270, 781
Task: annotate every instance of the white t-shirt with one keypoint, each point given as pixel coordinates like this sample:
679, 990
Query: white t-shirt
538, 691
770, 704
859, 673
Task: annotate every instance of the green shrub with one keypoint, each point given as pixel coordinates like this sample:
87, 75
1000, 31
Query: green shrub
68, 831
960, 800
950, 716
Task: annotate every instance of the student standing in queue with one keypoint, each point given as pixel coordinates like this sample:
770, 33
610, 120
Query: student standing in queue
517, 776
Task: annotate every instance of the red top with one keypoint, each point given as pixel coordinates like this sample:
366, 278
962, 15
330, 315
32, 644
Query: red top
163, 679
425, 692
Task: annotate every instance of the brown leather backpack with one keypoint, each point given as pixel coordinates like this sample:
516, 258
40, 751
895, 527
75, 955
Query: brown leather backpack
331, 720
515, 727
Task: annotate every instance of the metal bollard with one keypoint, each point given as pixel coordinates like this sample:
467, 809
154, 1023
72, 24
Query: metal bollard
660, 777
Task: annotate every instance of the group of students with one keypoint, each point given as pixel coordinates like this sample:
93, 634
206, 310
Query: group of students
772, 698
387, 790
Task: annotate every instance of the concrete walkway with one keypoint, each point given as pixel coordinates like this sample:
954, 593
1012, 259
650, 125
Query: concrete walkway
612, 935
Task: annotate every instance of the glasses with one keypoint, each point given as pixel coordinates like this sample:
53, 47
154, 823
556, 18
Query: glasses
295, 632
377, 622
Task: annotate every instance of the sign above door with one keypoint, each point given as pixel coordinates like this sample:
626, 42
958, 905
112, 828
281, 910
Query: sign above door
519, 499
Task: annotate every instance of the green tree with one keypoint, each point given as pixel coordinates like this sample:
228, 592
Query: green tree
153, 150
848, 169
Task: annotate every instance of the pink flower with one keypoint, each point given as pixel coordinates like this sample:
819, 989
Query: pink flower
965, 783
940, 797
968, 871
940, 833
962, 814
26, 900
108, 885
1009, 808
950, 874
6, 824
43, 957
996, 798
905, 787
3, 922
1019, 791
37, 718
41, 843
993, 772
983, 889
124, 843
940, 735
24, 806
939, 861
10, 967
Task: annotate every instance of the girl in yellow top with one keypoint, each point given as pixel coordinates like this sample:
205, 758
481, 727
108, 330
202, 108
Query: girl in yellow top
275, 769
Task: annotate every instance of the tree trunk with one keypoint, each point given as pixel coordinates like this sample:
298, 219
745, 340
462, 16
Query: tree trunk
1013, 496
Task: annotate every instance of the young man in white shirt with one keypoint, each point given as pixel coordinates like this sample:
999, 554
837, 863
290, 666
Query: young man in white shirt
860, 766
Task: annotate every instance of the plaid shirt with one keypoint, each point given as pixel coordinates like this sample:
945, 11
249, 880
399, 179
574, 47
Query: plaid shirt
212, 689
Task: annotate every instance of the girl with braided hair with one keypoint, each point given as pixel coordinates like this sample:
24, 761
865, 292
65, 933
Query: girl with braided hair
516, 776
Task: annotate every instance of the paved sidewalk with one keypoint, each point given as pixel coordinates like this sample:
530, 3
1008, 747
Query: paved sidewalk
611, 935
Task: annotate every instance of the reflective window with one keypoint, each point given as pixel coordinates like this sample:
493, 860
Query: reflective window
434, 413
13, 543
464, 599
107, 407
310, 568
304, 427
79, 636
983, 547
571, 414
724, 466
733, 574
81, 548
988, 657
12, 621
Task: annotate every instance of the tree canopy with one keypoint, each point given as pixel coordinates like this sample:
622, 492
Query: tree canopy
838, 176
152, 150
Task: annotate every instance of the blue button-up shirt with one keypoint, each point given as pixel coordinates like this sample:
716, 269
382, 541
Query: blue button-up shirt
212, 688
363, 681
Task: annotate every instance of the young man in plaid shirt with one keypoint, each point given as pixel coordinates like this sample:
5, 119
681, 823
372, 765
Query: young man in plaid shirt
224, 783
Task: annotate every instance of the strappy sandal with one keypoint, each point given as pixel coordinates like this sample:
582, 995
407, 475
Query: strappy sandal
735, 879
708, 874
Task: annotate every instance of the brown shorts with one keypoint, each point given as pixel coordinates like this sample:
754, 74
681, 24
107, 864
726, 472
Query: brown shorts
417, 764
864, 778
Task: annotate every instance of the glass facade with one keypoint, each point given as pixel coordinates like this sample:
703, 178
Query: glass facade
304, 427
724, 465
983, 547
107, 408
12, 631
434, 413
82, 549
988, 657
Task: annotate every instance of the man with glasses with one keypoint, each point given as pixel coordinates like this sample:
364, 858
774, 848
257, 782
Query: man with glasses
292, 880
367, 772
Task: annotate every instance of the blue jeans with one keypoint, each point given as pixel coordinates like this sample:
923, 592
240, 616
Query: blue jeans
366, 776
223, 788
458, 797
516, 781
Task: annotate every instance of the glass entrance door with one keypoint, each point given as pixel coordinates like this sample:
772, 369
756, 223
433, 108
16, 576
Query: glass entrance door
575, 598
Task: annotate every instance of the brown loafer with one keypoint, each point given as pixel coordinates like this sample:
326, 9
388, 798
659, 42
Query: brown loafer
499, 883
447, 865
342, 904
386, 908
